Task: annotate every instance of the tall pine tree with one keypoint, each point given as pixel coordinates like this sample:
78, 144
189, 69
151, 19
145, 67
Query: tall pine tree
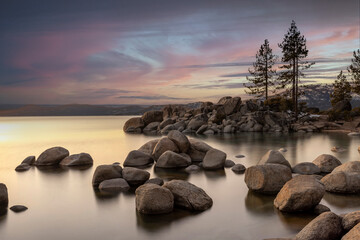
294, 50
262, 72
354, 70
342, 90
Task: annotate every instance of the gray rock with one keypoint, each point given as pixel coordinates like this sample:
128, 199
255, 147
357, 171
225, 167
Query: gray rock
157, 181
106, 172
181, 141
77, 160
319, 209
164, 144
209, 132
22, 167
232, 105
349, 220
326, 226
192, 168
240, 156
151, 127
30, 160
268, 178
148, 147
135, 124
189, 196
202, 129
352, 166
274, 157
229, 163
326, 162
114, 185
353, 234
152, 116
214, 159
197, 122
137, 158
167, 122
153, 199
301, 193
228, 129
238, 168
167, 129
4, 198
306, 168
170, 159
199, 145
52, 156
18, 208
342, 182
135, 176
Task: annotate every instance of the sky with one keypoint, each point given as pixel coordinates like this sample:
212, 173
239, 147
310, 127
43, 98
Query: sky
159, 51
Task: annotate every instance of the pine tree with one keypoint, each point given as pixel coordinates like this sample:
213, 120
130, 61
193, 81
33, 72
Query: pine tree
342, 90
294, 50
354, 70
262, 72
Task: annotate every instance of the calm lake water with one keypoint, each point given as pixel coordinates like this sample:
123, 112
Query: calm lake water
63, 205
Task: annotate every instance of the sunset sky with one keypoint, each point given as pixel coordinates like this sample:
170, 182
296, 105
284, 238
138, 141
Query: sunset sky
158, 51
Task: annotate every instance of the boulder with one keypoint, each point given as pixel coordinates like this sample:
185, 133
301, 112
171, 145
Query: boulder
319, 209
306, 168
30, 160
326, 226
342, 182
209, 132
223, 100
22, 167
153, 199
196, 155
217, 115
157, 181
349, 220
135, 176
301, 193
214, 159
114, 185
181, 141
167, 129
352, 166
135, 124
170, 159
152, 116
202, 129
268, 178
52, 156
231, 105
151, 127
148, 147
197, 122
77, 160
137, 158
164, 144
192, 168
189, 196
238, 168
353, 234
166, 122
342, 106
199, 145
4, 198
326, 163
18, 208
229, 163
106, 172
274, 157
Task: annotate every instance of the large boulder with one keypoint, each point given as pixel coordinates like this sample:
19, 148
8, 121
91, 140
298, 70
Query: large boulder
181, 141
353, 234
274, 157
166, 122
30, 160
164, 144
4, 198
151, 127
342, 182
301, 193
342, 106
214, 159
167, 129
197, 122
349, 220
231, 105
326, 226
352, 166
77, 160
152, 116
268, 178
105, 172
326, 162
188, 195
114, 185
148, 147
135, 124
170, 159
199, 145
224, 100
52, 156
153, 199
306, 168
137, 158
135, 176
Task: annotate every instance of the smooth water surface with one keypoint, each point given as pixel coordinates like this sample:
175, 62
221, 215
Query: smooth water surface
63, 205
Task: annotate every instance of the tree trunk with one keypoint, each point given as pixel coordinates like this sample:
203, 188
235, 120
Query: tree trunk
296, 90
293, 86
266, 79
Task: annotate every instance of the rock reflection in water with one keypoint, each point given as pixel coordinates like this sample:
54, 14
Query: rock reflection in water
215, 175
295, 221
259, 204
342, 201
170, 174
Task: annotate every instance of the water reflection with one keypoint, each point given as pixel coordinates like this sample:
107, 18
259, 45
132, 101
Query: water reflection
259, 204
215, 174
342, 201
170, 174
295, 221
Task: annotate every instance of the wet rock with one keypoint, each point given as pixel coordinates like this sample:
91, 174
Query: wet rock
30, 160
157, 181
229, 163
268, 178
181, 141
326, 163
18, 208
189, 196
170, 159
319, 209
114, 185
274, 157
22, 167
164, 144
148, 147
306, 168
342, 182
214, 159
137, 158
135, 176
301, 193
353, 234
152, 116
4, 198
352, 166
238, 168
326, 226
77, 160
153, 199
135, 124
349, 220
192, 168
52, 156
240, 156
106, 172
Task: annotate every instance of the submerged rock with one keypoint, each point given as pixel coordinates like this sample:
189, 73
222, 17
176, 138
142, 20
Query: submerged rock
18, 208
106, 172
77, 160
240, 156
135, 176
326, 162
52, 156
114, 185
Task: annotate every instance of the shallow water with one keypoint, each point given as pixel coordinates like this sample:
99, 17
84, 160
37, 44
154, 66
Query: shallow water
63, 205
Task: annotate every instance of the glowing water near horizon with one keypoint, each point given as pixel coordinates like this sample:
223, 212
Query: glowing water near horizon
63, 205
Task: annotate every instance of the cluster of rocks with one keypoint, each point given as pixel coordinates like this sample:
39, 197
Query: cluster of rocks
55, 156
4, 201
229, 115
